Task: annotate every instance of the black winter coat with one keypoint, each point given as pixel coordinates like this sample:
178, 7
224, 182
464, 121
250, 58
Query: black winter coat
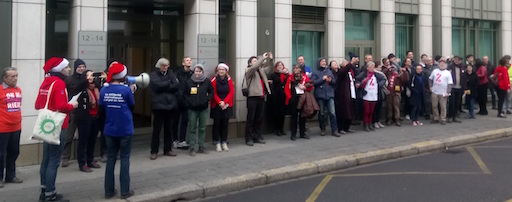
81, 113
418, 90
472, 83
164, 90
198, 98
278, 98
462, 72
183, 78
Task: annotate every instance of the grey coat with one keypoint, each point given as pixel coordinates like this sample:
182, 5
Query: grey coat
263, 67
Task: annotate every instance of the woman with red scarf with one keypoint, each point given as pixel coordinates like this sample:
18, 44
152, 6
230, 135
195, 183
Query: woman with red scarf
370, 83
277, 99
297, 83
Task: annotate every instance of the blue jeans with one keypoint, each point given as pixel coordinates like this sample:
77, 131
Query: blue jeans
329, 104
123, 146
51, 160
470, 103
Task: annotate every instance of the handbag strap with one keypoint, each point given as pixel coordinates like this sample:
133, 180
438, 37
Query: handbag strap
243, 82
48, 96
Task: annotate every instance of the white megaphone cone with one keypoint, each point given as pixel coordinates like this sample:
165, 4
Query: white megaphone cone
142, 80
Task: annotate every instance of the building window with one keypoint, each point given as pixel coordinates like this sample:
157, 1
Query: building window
359, 26
475, 37
308, 44
404, 34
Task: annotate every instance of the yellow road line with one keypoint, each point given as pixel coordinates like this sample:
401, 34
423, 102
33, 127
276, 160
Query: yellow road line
478, 160
406, 173
492, 147
319, 189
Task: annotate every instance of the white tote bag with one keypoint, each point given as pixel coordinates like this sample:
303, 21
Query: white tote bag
48, 124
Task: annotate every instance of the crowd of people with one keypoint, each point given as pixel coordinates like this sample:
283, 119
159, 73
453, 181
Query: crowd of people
340, 93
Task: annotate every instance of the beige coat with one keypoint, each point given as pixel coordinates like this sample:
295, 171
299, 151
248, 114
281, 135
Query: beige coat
262, 67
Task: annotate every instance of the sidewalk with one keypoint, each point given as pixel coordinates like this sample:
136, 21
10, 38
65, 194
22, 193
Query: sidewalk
169, 178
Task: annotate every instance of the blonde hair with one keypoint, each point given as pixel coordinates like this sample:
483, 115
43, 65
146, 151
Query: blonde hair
162, 61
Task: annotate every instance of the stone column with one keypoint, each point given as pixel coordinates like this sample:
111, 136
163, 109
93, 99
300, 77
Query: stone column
335, 30
28, 55
90, 15
246, 46
446, 28
506, 27
283, 33
387, 29
201, 17
425, 28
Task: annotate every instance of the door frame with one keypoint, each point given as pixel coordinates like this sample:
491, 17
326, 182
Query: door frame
362, 45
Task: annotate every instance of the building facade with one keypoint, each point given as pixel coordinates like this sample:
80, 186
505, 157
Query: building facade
138, 32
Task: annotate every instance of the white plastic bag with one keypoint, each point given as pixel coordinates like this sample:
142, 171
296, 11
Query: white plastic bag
48, 124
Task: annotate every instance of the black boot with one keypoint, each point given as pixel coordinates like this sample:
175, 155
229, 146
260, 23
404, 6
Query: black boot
278, 133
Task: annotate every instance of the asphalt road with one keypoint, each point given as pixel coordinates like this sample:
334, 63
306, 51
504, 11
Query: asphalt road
480, 172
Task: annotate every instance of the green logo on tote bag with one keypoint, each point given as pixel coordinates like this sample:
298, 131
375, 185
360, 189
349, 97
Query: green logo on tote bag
47, 126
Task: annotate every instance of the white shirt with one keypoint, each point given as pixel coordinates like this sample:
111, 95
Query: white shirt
440, 81
372, 92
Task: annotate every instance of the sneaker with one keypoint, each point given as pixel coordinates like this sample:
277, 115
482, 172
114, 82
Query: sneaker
175, 144
501, 115
225, 147
153, 156
127, 195
376, 125
85, 169
103, 158
419, 123
14, 180
407, 117
443, 122
202, 150
192, 152
259, 142
65, 163
170, 153
94, 164
509, 112
218, 147
56, 197
381, 125
414, 123
183, 144
336, 134
305, 137
322, 132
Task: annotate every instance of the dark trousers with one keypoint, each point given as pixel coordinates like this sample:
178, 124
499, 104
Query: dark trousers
103, 143
87, 134
9, 152
502, 94
359, 108
415, 110
161, 118
181, 114
377, 112
493, 96
254, 118
470, 104
455, 102
123, 146
220, 130
482, 99
407, 106
297, 117
278, 122
345, 124
68, 141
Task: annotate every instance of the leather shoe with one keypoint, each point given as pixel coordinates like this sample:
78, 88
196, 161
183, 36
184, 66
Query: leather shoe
259, 142
398, 124
304, 136
94, 165
293, 138
153, 157
249, 143
14, 180
336, 134
127, 195
170, 153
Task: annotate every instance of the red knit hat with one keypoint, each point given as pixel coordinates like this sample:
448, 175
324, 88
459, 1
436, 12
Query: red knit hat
55, 64
116, 71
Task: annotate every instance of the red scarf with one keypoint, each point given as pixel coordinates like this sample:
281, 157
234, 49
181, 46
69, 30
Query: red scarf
283, 77
368, 77
391, 86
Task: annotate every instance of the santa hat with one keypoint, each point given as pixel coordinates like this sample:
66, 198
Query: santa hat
222, 65
55, 64
116, 71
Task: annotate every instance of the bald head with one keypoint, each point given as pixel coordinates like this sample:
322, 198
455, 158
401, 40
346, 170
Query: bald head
485, 60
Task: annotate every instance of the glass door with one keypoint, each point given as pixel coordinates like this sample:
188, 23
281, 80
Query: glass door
359, 49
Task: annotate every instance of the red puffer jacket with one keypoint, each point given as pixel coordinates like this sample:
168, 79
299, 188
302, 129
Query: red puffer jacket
503, 78
58, 98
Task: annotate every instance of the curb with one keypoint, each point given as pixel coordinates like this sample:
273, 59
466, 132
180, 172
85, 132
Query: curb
237, 183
